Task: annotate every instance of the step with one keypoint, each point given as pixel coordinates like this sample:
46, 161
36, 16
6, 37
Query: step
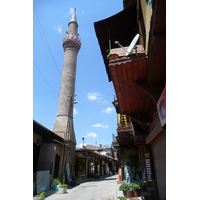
146, 195
151, 191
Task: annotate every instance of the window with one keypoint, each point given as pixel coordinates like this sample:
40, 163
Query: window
80, 167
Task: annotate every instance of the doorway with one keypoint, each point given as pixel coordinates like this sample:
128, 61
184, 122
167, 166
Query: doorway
56, 166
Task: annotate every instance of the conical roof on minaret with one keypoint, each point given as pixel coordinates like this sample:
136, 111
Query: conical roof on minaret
73, 19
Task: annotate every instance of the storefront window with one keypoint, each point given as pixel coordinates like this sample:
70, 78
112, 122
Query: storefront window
92, 166
81, 167
98, 166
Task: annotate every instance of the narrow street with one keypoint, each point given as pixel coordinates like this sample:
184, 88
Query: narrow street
98, 189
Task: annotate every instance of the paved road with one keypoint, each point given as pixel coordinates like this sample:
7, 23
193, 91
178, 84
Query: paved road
98, 189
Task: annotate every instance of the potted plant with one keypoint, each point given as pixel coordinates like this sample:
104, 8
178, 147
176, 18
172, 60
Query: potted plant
63, 187
142, 185
113, 56
124, 187
55, 184
40, 196
135, 187
129, 192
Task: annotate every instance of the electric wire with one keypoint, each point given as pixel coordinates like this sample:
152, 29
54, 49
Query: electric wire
45, 39
96, 103
44, 77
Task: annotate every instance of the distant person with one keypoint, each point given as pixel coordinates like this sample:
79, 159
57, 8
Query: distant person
70, 181
128, 174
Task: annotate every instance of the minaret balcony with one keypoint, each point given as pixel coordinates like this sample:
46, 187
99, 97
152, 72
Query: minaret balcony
71, 40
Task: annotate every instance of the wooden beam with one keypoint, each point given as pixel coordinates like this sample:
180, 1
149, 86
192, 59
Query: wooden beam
157, 129
154, 91
160, 38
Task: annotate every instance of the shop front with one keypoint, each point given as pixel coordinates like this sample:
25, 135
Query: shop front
81, 167
92, 171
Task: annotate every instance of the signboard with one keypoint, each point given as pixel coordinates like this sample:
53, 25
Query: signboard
148, 167
161, 107
67, 169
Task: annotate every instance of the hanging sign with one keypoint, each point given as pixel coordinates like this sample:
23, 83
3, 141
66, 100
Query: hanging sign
161, 107
148, 167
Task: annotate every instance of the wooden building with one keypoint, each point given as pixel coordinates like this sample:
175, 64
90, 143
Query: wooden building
48, 155
93, 164
139, 79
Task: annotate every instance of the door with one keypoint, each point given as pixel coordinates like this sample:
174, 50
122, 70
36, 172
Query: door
56, 166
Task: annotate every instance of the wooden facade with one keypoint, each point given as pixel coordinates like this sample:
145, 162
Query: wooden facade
139, 81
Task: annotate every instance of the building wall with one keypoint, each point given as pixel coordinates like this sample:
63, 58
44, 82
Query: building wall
36, 137
59, 150
147, 13
159, 158
46, 157
71, 157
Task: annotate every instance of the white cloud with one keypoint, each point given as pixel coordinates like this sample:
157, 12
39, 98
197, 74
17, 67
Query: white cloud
83, 12
94, 135
58, 28
75, 111
105, 101
71, 11
94, 96
99, 125
108, 110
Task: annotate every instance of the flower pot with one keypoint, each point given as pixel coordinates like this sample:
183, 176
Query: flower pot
129, 193
136, 192
125, 193
142, 187
38, 198
62, 190
113, 57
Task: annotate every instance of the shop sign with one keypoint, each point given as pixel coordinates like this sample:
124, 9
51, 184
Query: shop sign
148, 167
161, 106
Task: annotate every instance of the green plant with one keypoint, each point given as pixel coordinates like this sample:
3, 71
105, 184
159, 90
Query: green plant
133, 186
124, 187
122, 198
63, 185
109, 54
54, 183
63, 180
42, 194
142, 183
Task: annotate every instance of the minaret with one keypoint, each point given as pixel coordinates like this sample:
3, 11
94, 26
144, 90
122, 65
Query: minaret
71, 44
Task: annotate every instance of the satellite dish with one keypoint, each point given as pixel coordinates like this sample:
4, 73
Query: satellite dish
134, 41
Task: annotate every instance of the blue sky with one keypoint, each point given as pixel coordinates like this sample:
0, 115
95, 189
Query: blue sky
95, 117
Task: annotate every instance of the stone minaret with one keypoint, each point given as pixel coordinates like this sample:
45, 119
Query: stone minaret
64, 121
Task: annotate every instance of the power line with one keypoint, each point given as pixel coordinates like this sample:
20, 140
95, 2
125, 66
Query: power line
45, 40
97, 103
44, 78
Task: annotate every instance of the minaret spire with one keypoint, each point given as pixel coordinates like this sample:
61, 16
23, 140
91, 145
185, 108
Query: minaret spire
73, 19
64, 122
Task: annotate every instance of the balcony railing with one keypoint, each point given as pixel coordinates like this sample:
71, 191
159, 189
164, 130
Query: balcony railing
123, 120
